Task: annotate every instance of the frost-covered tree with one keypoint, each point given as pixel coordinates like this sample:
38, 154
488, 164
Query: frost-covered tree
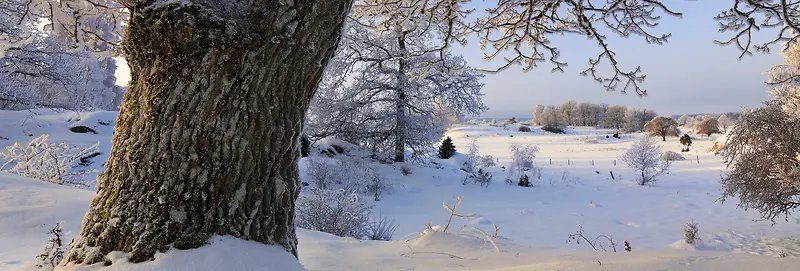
635, 119
615, 117
685, 120
600, 114
586, 114
707, 127
42, 70
663, 127
645, 158
397, 89
723, 122
537, 114
763, 145
552, 120
569, 112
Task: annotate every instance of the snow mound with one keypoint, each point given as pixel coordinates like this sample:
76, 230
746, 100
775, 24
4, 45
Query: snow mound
221, 253
432, 240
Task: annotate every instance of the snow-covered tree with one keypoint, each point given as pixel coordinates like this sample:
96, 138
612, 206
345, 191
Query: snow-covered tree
645, 158
663, 127
615, 117
685, 120
537, 114
569, 112
552, 120
586, 114
723, 122
44, 70
398, 86
635, 119
600, 114
763, 146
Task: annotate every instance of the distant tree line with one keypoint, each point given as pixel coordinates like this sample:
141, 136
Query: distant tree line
572, 113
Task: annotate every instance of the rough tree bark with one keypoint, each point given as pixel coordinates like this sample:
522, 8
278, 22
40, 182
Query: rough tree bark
207, 136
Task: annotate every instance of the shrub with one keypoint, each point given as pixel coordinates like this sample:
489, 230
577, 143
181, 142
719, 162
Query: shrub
524, 129
690, 232
447, 149
405, 170
53, 251
644, 157
524, 181
672, 156
522, 156
48, 162
554, 130
324, 175
337, 148
337, 212
381, 228
686, 141
487, 161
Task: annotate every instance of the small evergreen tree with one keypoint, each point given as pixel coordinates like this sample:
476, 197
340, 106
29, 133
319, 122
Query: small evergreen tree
686, 141
447, 149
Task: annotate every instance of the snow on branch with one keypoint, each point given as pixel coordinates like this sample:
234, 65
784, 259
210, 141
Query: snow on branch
47, 161
747, 16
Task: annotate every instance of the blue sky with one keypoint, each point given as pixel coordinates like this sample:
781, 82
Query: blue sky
689, 74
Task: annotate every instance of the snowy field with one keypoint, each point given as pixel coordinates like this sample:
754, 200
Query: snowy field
575, 188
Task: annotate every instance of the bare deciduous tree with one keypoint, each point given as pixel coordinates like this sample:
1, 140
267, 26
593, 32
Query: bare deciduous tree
645, 157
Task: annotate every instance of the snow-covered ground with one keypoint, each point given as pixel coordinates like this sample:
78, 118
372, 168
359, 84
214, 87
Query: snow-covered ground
576, 189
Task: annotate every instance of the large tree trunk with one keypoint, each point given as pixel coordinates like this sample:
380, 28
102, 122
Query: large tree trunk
400, 102
207, 136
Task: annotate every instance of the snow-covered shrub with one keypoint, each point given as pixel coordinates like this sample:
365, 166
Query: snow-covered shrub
50, 162
376, 186
690, 232
482, 178
473, 157
522, 155
380, 228
53, 252
672, 156
521, 161
487, 161
405, 170
323, 174
645, 157
359, 175
337, 212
